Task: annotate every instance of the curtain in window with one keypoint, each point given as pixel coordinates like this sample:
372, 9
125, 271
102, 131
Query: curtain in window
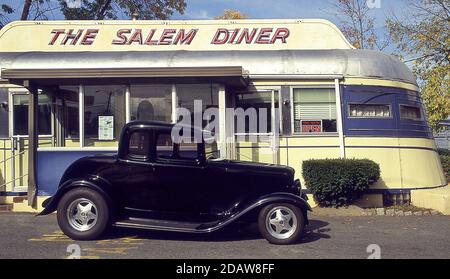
314, 104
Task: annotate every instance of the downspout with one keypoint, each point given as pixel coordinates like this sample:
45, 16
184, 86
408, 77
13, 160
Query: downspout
339, 118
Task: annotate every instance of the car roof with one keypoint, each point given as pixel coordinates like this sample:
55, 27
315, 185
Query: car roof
153, 124
148, 124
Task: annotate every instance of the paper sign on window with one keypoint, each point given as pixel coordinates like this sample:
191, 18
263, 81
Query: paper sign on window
106, 127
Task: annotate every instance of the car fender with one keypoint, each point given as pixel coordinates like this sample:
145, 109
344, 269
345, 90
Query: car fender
95, 183
280, 197
240, 210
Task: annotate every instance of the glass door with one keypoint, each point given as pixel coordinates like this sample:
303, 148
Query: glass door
258, 123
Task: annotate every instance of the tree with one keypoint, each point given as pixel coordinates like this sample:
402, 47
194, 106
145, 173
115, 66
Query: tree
26, 10
231, 14
37, 9
114, 9
423, 33
31, 10
357, 24
4, 11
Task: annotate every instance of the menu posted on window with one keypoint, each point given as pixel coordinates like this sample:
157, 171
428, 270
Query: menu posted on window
311, 126
106, 127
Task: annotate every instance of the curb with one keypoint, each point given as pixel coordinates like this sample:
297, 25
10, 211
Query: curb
398, 212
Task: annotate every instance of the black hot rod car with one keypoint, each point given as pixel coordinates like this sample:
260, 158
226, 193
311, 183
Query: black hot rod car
153, 183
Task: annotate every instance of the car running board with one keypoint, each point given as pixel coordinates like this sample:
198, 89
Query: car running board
164, 225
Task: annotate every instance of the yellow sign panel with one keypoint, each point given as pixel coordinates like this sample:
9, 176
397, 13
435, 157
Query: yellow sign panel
149, 35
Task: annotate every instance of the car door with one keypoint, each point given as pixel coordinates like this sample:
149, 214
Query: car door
179, 176
137, 189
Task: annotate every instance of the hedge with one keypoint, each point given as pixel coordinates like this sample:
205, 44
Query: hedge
445, 161
339, 182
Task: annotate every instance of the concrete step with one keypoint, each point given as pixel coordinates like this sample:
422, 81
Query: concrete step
6, 207
437, 199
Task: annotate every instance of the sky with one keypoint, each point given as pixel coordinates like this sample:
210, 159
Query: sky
298, 9
208, 9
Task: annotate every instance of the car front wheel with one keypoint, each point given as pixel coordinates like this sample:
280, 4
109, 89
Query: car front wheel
281, 223
82, 214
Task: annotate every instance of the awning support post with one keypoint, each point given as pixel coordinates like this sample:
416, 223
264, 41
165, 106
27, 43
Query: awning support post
339, 120
32, 143
222, 144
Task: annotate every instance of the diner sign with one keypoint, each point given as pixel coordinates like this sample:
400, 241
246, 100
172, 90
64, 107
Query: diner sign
172, 36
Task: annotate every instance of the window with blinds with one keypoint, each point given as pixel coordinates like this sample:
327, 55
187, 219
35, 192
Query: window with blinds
317, 104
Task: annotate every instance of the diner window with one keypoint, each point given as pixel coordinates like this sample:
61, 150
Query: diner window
20, 114
139, 145
70, 105
314, 110
4, 113
206, 93
151, 102
369, 111
410, 112
104, 114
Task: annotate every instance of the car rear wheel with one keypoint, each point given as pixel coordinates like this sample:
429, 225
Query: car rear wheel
82, 214
281, 223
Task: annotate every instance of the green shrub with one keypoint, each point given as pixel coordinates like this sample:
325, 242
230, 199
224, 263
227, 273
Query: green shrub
338, 182
445, 161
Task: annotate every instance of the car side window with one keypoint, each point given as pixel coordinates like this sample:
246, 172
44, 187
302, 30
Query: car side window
139, 145
188, 151
166, 149
164, 146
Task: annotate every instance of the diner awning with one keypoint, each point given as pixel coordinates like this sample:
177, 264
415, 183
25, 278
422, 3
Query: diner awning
228, 75
231, 67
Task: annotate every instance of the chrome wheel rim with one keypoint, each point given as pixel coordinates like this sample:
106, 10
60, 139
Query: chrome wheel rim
82, 214
281, 222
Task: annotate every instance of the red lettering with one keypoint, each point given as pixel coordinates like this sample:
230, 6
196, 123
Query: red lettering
56, 33
136, 37
89, 37
217, 40
263, 36
183, 38
235, 32
248, 37
167, 35
122, 37
149, 40
281, 34
73, 37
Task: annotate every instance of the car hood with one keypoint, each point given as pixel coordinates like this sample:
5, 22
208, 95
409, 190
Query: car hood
252, 168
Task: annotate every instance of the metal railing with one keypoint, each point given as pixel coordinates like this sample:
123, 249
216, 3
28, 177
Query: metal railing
17, 151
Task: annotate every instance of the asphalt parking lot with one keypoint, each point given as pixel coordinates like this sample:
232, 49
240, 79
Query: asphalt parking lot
27, 236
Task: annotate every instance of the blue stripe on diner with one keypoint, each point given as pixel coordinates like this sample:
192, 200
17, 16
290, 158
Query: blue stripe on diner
13, 194
290, 146
51, 165
393, 147
393, 126
346, 147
